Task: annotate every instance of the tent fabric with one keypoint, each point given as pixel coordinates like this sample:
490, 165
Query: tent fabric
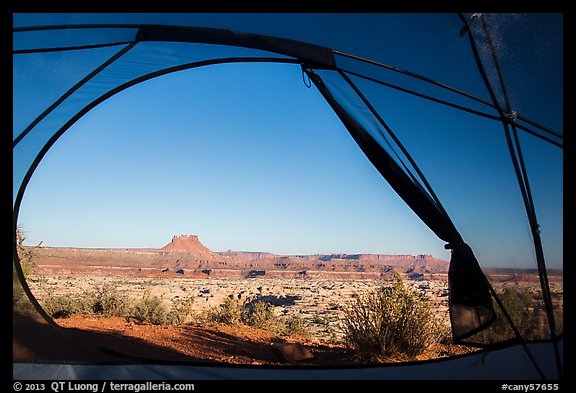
409, 190
471, 307
137, 63
501, 364
520, 63
89, 58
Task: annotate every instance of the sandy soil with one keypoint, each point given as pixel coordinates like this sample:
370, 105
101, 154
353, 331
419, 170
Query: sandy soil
207, 343
213, 343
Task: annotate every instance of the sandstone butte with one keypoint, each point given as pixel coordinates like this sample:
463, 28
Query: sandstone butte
188, 243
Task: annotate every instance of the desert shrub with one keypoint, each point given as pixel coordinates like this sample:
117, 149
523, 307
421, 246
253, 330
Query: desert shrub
180, 310
390, 322
261, 315
258, 314
517, 303
149, 309
64, 306
295, 325
229, 312
327, 329
26, 255
108, 301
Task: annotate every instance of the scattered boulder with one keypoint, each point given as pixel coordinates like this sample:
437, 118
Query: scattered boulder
292, 352
207, 271
255, 273
416, 277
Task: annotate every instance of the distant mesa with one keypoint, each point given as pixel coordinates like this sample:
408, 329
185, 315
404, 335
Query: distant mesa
186, 256
188, 243
252, 264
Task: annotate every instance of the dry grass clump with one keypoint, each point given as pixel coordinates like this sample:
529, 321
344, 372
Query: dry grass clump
259, 314
390, 323
525, 312
109, 302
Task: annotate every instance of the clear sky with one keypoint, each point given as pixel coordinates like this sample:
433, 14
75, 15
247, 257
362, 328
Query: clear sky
258, 162
248, 158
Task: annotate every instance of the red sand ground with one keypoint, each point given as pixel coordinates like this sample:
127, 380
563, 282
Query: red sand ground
84, 336
198, 342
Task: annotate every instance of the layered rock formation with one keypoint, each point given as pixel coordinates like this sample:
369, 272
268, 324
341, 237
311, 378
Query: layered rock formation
185, 255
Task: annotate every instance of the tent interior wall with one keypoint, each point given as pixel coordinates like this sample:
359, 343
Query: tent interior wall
476, 150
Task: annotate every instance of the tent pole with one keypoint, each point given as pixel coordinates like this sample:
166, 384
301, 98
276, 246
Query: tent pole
524, 184
518, 162
515, 329
397, 141
78, 85
462, 108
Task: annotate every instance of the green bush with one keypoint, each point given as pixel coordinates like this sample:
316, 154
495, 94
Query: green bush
64, 306
180, 310
261, 315
149, 309
26, 254
109, 302
517, 303
229, 312
390, 322
295, 325
258, 314
106, 301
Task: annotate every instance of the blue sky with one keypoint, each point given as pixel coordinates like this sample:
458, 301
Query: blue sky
249, 158
256, 163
